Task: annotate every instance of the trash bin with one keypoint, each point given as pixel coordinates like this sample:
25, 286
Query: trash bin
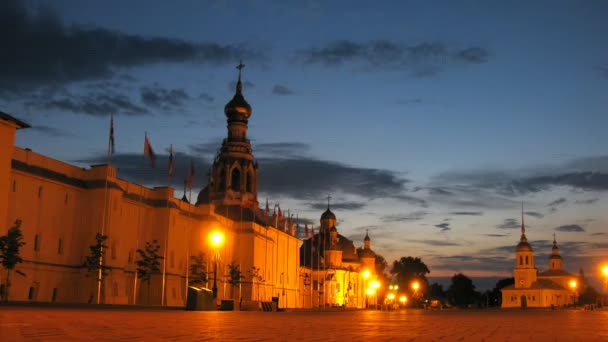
200, 299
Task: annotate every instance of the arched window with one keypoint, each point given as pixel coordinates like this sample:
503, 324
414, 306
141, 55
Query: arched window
54, 297
249, 186
526, 259
236, 180
31, 293
521, 260
60, 246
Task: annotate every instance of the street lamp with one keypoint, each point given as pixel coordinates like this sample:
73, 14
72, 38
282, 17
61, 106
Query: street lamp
573, 285
403, 300
415, 286
365, 275
375, 285
216, 238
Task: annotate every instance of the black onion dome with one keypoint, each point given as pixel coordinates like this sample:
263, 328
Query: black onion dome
203, 196
328, 215
238, 105
524, 246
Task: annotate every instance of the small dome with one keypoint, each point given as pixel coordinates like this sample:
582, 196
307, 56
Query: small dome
203, 196
366, 253
238, 105
328, 215
555, 257
366, 237
524, 246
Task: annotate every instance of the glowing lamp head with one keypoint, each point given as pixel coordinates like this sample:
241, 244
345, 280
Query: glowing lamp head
573, 284
216, 238
365, 274
416, 286
403, 299
370, 292
375, 284
605, 270
391, 296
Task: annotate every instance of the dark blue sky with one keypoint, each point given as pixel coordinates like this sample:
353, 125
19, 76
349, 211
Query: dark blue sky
428, 122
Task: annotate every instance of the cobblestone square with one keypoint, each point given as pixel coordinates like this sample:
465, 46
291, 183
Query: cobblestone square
64, 324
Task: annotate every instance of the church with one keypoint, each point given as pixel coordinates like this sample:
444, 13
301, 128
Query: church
552, 288
63, 207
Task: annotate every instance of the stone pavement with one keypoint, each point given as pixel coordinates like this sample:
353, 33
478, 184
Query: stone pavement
83, 324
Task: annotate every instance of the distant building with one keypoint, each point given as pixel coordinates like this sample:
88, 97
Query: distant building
554, 287
63, 207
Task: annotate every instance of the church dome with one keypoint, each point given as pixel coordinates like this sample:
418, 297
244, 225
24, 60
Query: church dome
524, 246
333, 229
555, 257
238, 106
328, 215
203, 196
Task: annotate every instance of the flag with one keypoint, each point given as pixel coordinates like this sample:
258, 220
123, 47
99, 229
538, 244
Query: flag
148, 151
306, 230
111, 133
190, 177
170, 171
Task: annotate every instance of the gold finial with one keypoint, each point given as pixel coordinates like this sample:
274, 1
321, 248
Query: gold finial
328, 198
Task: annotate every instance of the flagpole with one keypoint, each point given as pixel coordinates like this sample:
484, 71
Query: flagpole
105, 206
141, 203
169, 174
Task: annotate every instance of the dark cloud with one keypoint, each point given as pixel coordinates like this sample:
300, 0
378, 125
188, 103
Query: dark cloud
409, 199
598, 234
208, 149
413, 216
534, 214
422, 60
52, 131
338, 205
587, 201
443, 226
570, 228
478, 263
281, 150
206, 97
279, 89
43, 51
165, 99
467, 213
436, 242
495, 235
96, 103
509, 224
557, 202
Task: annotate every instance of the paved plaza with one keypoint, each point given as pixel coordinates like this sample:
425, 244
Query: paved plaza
66, 324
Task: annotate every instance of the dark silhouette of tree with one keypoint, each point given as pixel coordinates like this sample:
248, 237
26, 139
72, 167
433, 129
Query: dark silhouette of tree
148, 263
10, 244
234, 277
589, 296
436, 291
494, 298
408, 270
94, 261
198, 270
461, 291
380, 265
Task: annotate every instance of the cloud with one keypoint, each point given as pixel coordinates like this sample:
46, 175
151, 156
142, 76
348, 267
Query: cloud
43, 51
495, 235
413, 216
570, 228
165, 99
509, 224
281, 150
338, 205
52, 131
587, 201
534, 214
443, 226
206, 97
279, 89
421, 60
436, 242
557, 202
95, 103
598, 234
467, 213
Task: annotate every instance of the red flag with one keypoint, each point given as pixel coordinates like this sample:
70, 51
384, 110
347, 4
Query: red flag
190, 178
111, 133
170, 171
148, 151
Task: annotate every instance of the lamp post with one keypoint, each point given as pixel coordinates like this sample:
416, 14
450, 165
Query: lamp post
403, 300
605, 273
217, 240
375, 285
415, 287
573, 285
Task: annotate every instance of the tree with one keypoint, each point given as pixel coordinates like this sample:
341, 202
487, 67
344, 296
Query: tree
409, 270
589, 296
257, 278
461, 291
198, 273
10, 244
495, 297
94, 261
380, 265
148, 263
234, 277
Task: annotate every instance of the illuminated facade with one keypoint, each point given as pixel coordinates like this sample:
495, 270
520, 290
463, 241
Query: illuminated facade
62, 207
554, 287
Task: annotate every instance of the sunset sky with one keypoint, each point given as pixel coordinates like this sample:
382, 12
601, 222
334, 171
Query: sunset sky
428, 122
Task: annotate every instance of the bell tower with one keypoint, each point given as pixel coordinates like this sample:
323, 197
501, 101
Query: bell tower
234, 174
525, 273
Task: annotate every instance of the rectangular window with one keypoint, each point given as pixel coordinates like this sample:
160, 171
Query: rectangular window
36, 243
54, 298
39, 192
14, 186
60, 246
31, 294
315, 285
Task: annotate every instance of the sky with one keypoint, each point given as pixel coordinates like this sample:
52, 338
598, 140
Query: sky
428, 123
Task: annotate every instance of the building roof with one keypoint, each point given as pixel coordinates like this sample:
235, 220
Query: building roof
20, 124
539, 284
328, 214
555, 273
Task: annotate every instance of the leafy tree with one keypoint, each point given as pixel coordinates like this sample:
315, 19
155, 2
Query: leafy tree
10, 244
257, 278
461, 291
198, 270
94, 261
234, 277
408, 270
589, 296
495, 296
148, 263
436, 291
